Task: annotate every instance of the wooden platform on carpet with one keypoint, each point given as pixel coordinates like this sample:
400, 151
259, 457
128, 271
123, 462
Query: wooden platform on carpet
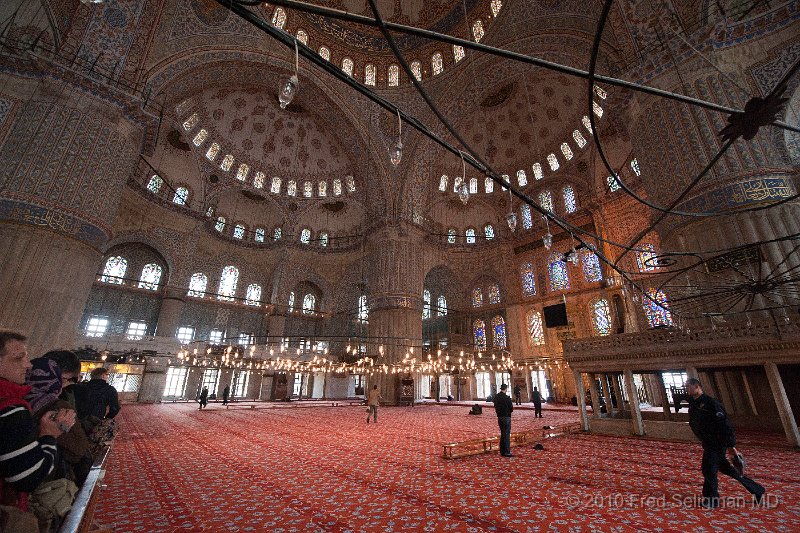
455, 450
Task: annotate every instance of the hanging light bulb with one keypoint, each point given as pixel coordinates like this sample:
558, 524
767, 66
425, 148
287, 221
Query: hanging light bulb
511, 219
572, 257
396, 152
463, 190
547, 240
290, 87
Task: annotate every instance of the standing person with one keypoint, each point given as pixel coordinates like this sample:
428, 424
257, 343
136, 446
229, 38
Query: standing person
518, 394
96, 397
537, 403
226, 393
710, 424
204, 397
503, 406
373, 401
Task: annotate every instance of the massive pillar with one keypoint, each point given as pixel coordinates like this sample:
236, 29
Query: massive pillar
66, 155
170, 313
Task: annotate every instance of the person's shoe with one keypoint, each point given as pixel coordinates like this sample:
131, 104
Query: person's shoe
739, 463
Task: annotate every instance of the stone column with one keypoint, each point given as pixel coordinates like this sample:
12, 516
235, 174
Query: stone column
633, 398
581, 394
596, 412
749, 393
66, 158
169, 315
618, 392
782, 402
154, 380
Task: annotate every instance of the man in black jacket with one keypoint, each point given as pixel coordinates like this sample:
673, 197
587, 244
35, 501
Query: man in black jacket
96, 397
710, 424
503, 407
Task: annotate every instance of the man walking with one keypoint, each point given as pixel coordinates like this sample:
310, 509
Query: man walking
518, 394
537, 403
503, 407
373, 401
226, 393
710, 424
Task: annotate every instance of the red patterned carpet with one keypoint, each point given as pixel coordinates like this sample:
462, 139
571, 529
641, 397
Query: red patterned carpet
174, 468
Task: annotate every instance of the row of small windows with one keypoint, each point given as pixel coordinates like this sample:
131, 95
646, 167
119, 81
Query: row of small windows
558, 274
492, 291
117, 266
428, 311
498, 331
309, 303
259, 235
470, 235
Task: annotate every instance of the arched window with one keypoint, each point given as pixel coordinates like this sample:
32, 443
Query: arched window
227, 163
370, 74
499, 332
279, 18
552, 161
645, 258
191, 122
488, 231
324, 53
535, 329
322, 189
613, 183
437, 63
441, 305
426, 304
457, 183
570, 205
656, 308
488, 184
522, 178
151, 276
394, 75
635, 167
238, 231
451, 236
470, 235
309, 304
258, 180
275, 188
477, 30
591, 267
473, 186
506, 179
537, 171
496, 5
525, 211
305, 236
363, 309
210, 211
302, 36
600, 92
243, 171
115, 269
227, 283
308, 189
347, 66
479, 334
443, 183
200, 138
597, 109
276, 234
260, 235
494, 294
579, 139
155, 183
291, 301
546, 201
198, 284
416, 69
181, 195
291, 188
458, 52
220, 224
557, 271
587, 123
601, 316
253, 294
351, 183
528, 279
323, 239
477, 297
567, 151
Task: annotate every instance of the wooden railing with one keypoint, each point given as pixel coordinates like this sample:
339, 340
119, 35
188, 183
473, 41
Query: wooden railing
521, 438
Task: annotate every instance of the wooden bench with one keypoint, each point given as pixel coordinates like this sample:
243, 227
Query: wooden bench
455, 450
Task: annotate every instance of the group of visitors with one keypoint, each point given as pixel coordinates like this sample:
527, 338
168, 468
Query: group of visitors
52, 428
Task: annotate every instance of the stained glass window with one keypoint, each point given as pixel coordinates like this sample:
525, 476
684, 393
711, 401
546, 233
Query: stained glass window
470, 235
351, 183
151, 275
479, 333
337, 187
200, 138
499, 332
308, 189
275, 188
477, 297
494, 294
291, 188
656, 308
227, 283
279, 18
591, 267
567, 151
155, 183
613, 183
322, 189
305, 236
220, 224
243, 171
253, 294
496, 5
212, 152
198, 284
525, 211
587, 123
443, 183
635, 167
260, 235
522, 178
645, 258
210, 211
451, 236
370, 75
552, 161
546, 201
528, 279
258, 180
238, 231
394, 75
488, 231
557, 271
181, 195
426, 304
597, 109
535, 329
227, 163
347, 66
363, 309
324, 53
579, 138
191, 122
302, 36
477, 30
601, 316
570, 205
276, 234
309, 304
457, 183
323, 239
441, 305
291, 301
458, 53
437, 63
416, 69
114, 270
488, 184
473, 186
600, 92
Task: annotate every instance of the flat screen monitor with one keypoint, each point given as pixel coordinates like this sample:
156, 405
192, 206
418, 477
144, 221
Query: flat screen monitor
555, 315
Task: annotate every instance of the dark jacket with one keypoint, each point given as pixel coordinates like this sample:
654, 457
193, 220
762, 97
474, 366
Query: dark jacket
503, 405
537, 398
709, 422
92, 398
